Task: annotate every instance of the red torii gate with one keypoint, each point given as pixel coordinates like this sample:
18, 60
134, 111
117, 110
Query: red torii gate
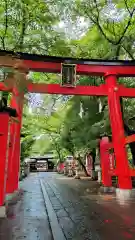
110, 70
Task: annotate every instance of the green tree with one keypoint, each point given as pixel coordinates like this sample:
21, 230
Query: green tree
112, 22
27, 138
30, 26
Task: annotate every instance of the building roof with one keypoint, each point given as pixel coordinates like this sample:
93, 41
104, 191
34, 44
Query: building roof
69, 60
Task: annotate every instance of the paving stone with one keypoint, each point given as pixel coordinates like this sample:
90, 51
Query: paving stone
88, 216
28, 218
81, 215
61, 213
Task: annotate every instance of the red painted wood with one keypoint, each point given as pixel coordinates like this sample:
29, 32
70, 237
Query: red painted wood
81, 69
110, 145
4, 88
126, 92
118, 137
113, 172
105, 162
130, 139
11, 162
57, 89
4, 127
15, 158
132, 172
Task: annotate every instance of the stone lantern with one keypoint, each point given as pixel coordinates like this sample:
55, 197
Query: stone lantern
77, 176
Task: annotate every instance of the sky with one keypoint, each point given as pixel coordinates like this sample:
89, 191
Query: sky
77, 28
73, 29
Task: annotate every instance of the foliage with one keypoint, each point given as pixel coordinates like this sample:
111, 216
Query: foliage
112, 23
81, 134
28, 26
27, 139
26, 146
50, 127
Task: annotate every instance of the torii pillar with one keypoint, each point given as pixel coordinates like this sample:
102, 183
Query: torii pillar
118, 137
4, 141
15, 130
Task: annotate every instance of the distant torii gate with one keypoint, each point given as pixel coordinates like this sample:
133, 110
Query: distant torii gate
110, 70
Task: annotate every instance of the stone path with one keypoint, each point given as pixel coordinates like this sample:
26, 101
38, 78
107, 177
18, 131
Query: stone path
62, 208
84, 216
28, 218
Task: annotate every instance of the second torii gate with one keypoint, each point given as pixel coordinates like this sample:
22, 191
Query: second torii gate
110, 70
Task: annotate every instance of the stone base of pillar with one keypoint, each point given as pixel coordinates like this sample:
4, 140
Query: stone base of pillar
26, 171
125, 194
77, 177
93, 174
70, 175
107, 189
3, 213
12, 198
99, 177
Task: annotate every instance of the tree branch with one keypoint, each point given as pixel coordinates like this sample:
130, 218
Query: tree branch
6, 25
95, 1
118, 52
97, 22
126, 4
19, 44
126, 28
128, 52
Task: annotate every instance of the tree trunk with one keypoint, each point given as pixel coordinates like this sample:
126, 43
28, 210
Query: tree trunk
93, 154
83, 166
59, 153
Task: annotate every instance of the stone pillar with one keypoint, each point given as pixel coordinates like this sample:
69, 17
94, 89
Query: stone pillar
99, 175
105, 162
65, 169
26, 170
70, 170
77, 176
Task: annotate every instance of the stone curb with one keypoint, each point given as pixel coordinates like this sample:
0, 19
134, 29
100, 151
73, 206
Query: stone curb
3, 212
55, 227
103, 189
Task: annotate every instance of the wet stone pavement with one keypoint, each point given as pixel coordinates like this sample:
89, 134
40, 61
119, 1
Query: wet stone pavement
84, 215
27, 219
81, 213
